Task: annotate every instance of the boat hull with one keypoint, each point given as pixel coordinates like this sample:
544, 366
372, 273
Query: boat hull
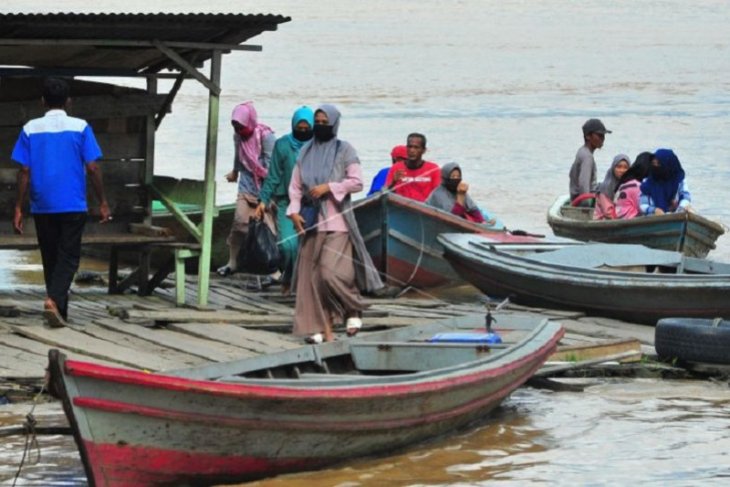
400, 235
638, 297
143, 429
689, 233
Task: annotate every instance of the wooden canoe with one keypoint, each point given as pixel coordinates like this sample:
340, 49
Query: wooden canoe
400, 235
409, 256
689, 233
296, 410
602, 279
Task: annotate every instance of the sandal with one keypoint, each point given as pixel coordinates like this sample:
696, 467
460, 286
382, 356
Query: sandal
353, 326
51, 317
225, 271
315, 339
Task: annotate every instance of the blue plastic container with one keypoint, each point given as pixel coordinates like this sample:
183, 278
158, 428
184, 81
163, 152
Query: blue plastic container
465, 337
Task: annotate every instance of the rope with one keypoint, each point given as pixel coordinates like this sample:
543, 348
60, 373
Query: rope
31, 439
420, 252
403, 284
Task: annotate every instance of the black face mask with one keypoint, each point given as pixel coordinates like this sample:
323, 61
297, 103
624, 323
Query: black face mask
323, 133
303, 135
451, 184
660, 172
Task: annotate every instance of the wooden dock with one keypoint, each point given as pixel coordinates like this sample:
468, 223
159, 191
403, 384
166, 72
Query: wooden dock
150, 333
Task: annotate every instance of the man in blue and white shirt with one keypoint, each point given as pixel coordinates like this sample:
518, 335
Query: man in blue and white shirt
56, 152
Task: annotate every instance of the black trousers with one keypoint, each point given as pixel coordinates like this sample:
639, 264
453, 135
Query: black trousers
59, 238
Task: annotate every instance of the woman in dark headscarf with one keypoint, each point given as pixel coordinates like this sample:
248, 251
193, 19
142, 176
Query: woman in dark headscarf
665, 190
605, 209
452, 195
333, 265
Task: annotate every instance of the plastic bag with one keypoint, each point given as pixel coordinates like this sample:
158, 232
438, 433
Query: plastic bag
260, 254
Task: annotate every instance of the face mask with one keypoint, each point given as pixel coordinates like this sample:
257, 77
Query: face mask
659, 172
303, 135
244, 132
323, 132
452, 184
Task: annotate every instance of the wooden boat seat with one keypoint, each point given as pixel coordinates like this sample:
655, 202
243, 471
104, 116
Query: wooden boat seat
416, 356
592, 256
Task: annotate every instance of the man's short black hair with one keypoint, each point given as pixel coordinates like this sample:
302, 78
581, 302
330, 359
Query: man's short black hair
420, 136
55, 92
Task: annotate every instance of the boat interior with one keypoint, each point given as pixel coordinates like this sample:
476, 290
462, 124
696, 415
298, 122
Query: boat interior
616, 257
389, 353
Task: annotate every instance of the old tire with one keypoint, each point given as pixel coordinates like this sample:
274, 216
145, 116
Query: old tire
693, 340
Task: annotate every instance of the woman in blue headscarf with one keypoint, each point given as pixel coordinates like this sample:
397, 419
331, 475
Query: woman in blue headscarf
665, 189
276, 188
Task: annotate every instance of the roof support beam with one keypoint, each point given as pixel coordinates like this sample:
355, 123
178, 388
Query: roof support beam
213, 87
128, 43
170, 98
75, 72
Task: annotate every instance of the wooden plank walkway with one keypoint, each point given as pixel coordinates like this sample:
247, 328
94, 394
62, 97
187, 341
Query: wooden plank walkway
150, 333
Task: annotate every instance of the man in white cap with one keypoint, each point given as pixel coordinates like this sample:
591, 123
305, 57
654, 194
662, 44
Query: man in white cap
583, 171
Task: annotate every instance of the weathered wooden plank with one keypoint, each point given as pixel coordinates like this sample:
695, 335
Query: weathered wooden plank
606, 328
179, 358
19, 363
548, 369
214, 351
547, 311
409, 302
407, 312
93, 347
597, 350
254, 340
37, 348
237, 292
195, 316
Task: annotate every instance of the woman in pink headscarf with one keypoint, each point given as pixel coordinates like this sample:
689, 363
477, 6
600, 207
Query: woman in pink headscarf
253, 145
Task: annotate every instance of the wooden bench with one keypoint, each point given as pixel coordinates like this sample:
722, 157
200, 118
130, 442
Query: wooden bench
143, 245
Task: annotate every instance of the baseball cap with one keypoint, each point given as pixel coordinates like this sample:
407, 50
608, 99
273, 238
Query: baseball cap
595, 126
399, 151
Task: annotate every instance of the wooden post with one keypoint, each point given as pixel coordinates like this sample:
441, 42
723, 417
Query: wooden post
210, 162
149, 159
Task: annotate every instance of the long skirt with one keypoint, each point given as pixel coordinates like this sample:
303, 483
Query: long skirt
288, 240
326, 289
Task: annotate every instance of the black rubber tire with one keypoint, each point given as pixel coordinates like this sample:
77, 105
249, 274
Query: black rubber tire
693, 340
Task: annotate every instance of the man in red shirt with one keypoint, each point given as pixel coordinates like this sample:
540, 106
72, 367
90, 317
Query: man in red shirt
414, 178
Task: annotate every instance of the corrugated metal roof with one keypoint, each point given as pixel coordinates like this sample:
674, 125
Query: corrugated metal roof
33, 39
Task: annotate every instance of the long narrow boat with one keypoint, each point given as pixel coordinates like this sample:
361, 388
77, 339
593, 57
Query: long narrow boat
627, 281
297, 410
400, 235
689, 233
410, 255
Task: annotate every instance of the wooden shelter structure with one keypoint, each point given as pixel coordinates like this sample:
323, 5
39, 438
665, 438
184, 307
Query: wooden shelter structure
148, 46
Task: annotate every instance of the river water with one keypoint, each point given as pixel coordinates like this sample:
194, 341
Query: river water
502, 87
